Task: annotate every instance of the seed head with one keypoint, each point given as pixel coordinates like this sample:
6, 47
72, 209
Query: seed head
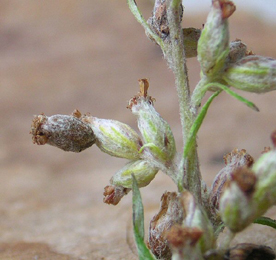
68, 133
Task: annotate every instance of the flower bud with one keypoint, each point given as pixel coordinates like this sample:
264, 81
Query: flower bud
116, 138
237, 206
144, 173
253, 74
196, 217
265, 169
113, 194
170, 213
184, 242
156, 132
213, 44
68, 133
234, 160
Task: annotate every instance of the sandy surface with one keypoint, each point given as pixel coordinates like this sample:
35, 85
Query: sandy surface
56, 56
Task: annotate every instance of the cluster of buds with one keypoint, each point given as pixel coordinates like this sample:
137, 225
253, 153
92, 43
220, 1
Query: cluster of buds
146, 155
231, 63
243, 190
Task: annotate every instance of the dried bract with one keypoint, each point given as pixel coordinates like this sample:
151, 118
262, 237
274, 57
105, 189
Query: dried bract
113, 194
170, 213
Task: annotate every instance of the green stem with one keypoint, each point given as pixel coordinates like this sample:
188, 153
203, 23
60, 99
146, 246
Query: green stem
177, 61
139, 17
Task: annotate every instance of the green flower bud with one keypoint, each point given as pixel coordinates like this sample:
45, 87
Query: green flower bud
116, 138
234, 160
253, 74
237, 206
142, 170
196, 217
213, 44
156, 132
265, 169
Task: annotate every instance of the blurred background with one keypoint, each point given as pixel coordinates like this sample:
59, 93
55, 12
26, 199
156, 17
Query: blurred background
56, 56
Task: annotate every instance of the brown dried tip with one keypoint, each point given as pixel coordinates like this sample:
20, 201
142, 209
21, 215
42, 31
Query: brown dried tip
113, 194
68, 133
245, 179
247, 251
227, 7
143, 93
238, 158
266, 150
180, 237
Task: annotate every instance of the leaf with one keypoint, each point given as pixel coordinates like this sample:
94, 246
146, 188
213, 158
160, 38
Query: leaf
196, 125
139, 17
138, 223
233, 94
266, 221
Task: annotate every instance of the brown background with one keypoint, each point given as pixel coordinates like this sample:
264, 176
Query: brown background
56, 56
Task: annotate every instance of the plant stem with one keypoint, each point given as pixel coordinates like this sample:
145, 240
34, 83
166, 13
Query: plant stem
192, 179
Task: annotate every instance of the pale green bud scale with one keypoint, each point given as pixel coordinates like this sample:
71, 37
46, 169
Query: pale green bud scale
116, 138
253, 74
265, 169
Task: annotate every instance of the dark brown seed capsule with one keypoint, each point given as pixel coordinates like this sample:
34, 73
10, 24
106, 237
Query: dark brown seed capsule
65, 132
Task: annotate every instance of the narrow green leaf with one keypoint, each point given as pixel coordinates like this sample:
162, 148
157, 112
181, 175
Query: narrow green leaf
196, 125
138, 223
266, 221
139, 17
234, 94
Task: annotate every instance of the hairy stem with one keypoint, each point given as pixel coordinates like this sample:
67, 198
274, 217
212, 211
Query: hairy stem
192, 179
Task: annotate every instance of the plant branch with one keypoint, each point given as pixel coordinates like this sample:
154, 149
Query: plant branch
139, 17
190, 165
179, 66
